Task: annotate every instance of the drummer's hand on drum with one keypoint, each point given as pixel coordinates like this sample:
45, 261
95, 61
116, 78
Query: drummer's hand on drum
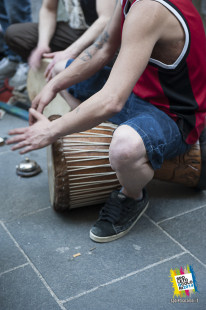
33, 137
41, 101
36, 56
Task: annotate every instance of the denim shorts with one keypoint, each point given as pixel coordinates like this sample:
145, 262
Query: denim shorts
160, 134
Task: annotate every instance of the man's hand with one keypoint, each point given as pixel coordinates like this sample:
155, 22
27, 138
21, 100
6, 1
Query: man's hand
45, 96
34, 137
36, 56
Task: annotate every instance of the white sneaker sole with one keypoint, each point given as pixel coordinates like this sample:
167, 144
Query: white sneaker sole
117, 236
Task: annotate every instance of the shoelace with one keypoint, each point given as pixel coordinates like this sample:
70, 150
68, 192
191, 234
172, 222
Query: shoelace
114, 209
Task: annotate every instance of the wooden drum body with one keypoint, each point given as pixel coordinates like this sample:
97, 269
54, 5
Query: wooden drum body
79, 169
189, 168
80, 173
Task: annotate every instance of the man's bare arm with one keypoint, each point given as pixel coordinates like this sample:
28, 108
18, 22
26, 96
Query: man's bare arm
139, 37
47, 21
138, 40
93, 58
87, 64
46, 29
105, 10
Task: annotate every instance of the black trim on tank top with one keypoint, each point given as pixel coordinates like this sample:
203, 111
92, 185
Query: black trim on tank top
158, 64
182, 102
182, 62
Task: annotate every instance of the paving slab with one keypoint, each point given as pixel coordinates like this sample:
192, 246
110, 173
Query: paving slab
18, 195
190, 230
51, 239
21, 289
10, 256
146, 290
130, 273
10, 122
170, 199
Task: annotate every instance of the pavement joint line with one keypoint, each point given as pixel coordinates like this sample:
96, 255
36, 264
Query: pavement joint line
133, 273
33, 213
183, 213
13, 269
24, 215
175, 241
34, 268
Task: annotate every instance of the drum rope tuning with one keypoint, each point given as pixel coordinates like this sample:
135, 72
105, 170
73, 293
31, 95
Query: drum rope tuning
85, 158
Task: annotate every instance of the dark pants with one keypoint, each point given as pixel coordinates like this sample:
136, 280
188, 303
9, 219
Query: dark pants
22, 38
12, 12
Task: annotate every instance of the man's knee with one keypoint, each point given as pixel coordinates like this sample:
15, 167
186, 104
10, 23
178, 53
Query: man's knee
126, 148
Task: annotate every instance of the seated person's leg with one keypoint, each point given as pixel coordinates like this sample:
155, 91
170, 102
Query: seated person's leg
145, 138
22, 38
13, 12
59, 67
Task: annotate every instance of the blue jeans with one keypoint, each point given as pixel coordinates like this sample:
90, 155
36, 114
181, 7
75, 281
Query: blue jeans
160, 134
12, 12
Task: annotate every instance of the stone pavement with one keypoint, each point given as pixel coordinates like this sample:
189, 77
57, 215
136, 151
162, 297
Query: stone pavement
37, 244
39, 272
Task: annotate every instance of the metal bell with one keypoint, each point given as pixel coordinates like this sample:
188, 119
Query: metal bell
28, 168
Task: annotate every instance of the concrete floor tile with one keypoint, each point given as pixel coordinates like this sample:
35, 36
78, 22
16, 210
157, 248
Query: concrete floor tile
22, 290
169, 199
10, 122
146, 290
19, 196
189, 230
51, 240
10, 255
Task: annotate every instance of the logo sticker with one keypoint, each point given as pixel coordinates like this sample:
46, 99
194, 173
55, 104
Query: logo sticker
184, 281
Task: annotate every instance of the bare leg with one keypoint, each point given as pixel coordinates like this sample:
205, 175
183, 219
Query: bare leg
128, 158
59, 67
71, 100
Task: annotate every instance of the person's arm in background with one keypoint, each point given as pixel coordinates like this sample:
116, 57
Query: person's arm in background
138, 40
104, 9
47, 26
90, 61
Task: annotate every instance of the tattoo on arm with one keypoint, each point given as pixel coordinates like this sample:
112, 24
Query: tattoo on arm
86, 54
101, 40
97, 45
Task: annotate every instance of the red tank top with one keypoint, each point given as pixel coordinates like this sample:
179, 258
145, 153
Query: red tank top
179, 89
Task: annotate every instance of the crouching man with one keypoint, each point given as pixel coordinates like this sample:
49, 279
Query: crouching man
155, 92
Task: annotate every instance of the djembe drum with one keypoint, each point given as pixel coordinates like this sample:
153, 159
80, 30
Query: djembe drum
79, 170
80, 173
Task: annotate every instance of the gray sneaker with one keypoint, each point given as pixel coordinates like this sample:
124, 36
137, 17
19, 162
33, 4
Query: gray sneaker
118, 216
19, 80
7, 68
